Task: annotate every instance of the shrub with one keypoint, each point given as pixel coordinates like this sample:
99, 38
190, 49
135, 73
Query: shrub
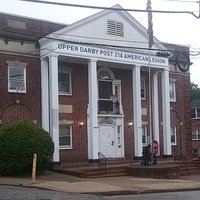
18, 142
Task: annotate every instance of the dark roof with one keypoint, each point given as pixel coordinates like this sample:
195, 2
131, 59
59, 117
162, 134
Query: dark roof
35, 28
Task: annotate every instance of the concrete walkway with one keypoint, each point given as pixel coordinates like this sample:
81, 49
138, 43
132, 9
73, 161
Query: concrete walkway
107, 185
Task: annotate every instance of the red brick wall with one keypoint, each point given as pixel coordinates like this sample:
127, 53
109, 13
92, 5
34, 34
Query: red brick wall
181, 112
127, 94
79, 101
26, 105
195, 126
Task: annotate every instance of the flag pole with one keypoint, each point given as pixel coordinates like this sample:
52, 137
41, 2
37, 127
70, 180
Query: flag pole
150, 44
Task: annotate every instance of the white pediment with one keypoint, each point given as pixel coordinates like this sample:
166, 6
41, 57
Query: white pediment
94, 30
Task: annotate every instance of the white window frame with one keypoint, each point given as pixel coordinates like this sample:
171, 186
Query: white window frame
172, 90
71, 129
144, 133
65, 70
143, 83
116, 86
173, 133
196, 133
22, 87
196, 113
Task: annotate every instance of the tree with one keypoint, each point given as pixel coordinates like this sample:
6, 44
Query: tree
195, 91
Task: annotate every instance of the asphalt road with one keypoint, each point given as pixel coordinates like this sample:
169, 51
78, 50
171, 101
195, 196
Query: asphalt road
29, 193
189, 195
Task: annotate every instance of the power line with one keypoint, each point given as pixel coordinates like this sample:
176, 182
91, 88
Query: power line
112, 8
38, 35
182, 1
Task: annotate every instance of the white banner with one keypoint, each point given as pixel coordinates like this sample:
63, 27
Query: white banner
109, 54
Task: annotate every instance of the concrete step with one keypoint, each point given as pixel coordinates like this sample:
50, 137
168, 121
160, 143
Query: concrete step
94, 172
189, 168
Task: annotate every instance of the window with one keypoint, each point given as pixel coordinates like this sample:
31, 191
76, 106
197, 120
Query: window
195, 113
144, 135
17, 79
115, 28
64, 81
143, 89
105, 93
119, 137
173, 135
172, 91
196, 134
109, 91
65, 136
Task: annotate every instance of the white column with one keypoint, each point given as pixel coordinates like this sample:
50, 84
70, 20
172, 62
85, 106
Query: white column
155, 108
93, 131
45, 94
166, 113
137, 111
54, 105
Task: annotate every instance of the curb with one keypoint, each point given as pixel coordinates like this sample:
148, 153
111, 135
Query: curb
137, 192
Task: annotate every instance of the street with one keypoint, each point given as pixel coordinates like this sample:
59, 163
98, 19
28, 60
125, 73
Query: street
24, 193
189, 195
29, 193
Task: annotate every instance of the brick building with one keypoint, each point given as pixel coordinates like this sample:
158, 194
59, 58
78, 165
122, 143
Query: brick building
195, 110
95, 86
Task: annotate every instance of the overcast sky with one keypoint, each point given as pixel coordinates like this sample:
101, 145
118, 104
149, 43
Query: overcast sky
172, 28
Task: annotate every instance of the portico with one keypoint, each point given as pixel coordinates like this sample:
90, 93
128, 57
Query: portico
105, 130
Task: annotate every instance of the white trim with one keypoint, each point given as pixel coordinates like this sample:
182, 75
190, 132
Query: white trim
93, 131
54, 105
197, 132
108, 70
18, 89
77, 25
45, 94
71, 135
166, 113
143, 82
172, 85
106, 53
196, 113
137, 111
155, 108
65, 70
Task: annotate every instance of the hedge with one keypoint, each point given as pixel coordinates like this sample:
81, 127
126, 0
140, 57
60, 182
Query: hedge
18, 142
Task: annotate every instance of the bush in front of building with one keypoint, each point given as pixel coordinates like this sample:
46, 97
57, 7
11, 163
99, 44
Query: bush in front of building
18, 142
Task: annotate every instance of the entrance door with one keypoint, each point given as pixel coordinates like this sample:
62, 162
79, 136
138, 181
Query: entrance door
107, 140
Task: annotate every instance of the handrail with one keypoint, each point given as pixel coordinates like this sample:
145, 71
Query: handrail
101, 157
183, 154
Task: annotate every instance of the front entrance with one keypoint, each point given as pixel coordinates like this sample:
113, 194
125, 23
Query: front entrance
107, 140
111, 140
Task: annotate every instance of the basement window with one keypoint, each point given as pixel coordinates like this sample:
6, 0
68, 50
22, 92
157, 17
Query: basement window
115, 28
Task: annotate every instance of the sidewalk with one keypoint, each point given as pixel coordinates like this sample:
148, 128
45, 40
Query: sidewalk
107, 185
